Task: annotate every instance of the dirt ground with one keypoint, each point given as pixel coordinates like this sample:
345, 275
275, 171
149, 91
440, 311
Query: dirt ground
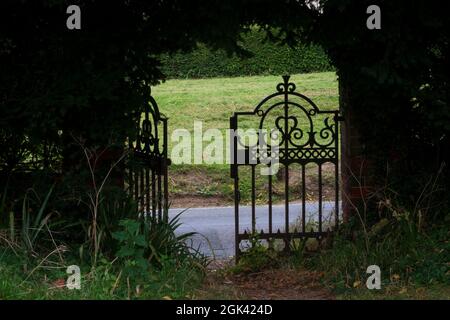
273, 284
189, 201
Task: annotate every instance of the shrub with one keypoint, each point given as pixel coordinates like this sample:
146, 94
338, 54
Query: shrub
265, 58
150, 245
153, 261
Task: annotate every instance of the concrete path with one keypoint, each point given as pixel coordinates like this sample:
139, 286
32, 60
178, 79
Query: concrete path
215, 225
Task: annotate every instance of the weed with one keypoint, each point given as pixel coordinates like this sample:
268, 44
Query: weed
256, 257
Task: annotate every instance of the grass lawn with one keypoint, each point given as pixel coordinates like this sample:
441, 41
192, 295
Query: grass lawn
213, 101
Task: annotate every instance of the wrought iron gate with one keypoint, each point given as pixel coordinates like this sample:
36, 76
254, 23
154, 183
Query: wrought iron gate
307, 137
148, 163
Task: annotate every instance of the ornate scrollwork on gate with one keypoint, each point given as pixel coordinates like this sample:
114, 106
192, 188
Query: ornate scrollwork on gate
148, 162
296, 117
306, 135
147, 143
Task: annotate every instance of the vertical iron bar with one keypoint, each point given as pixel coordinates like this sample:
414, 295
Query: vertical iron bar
286, 157
166, 195
286, 204
236, 213
320, 197
303, 199
159, 197
166, 174
235, 175
270, 203
141, 189
147, 191
153, 186
253, 200
336, 174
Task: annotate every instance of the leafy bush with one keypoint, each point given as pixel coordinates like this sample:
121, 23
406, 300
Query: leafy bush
150, 245
265, 58
132, 248
114, 205
163, 241
152, 261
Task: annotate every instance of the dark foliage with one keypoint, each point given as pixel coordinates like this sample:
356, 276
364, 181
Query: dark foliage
67, 91
265, 57
58, 84
396, 83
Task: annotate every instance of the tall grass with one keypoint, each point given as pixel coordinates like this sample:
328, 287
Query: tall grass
37, 230
405, 241
32, 227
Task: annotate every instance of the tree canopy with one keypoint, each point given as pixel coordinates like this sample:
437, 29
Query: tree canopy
85, 82
56, 83
396, 83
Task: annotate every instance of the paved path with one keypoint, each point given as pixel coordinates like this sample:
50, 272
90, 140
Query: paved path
215, 225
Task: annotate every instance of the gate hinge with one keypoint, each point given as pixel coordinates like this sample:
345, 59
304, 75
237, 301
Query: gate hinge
339, 118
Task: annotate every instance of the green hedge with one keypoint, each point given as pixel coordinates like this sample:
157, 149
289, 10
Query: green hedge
267, 58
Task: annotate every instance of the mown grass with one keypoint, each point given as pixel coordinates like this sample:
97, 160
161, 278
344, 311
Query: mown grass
213, 101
